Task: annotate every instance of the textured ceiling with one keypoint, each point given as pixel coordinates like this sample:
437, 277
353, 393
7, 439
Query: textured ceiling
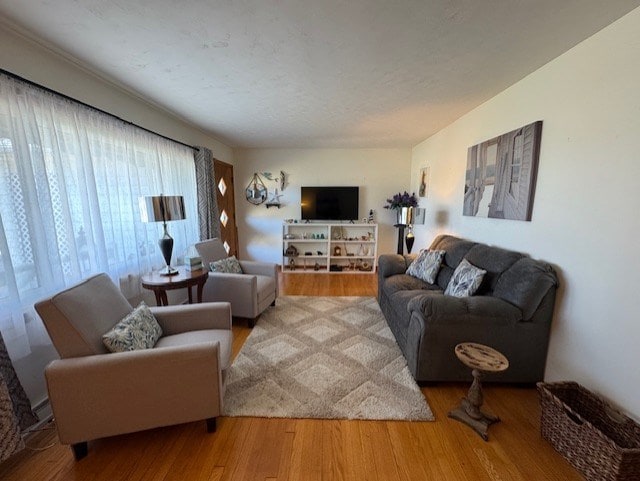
314, 73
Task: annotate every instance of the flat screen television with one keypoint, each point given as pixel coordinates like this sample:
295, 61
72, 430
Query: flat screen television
329, 203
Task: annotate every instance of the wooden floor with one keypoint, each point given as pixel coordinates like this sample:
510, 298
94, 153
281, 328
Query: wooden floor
286, 449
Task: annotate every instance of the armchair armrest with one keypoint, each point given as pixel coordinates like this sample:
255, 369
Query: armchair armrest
238, 289
106, 394
259, 268
193, 317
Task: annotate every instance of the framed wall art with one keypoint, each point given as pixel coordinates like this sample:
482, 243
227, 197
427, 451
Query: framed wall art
501, 173
423, 182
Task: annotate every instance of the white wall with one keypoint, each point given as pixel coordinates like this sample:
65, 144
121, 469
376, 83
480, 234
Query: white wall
378, 172
29, 60
585, 213
41, 65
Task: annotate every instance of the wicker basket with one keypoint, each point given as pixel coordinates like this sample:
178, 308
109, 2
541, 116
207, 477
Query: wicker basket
601, 443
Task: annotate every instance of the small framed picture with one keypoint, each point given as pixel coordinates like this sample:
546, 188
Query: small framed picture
423, 182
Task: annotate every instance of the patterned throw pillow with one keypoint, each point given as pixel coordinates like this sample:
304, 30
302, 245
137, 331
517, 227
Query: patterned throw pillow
229, 265
426, 265
138, 330
465, 280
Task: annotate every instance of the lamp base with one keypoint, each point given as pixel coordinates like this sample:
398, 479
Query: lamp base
168, 271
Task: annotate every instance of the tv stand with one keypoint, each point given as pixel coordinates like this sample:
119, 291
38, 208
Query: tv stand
333, 247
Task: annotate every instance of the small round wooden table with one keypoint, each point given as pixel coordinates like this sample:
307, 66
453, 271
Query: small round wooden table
481, 359
160, 284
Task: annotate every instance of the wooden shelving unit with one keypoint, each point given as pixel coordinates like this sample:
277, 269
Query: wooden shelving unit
330, 247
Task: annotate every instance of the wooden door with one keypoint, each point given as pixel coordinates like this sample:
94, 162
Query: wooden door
226, 206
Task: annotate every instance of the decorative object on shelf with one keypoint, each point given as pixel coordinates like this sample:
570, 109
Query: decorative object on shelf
337, 251
370, 217
292, 263
501, 175
291, 236
163, 208
291, 251
256, 192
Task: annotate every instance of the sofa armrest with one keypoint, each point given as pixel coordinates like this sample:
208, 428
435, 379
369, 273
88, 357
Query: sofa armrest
107, 394
392, 264
193, 317
437, 308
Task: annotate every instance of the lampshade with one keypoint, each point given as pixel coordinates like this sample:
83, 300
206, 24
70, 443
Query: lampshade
162, 208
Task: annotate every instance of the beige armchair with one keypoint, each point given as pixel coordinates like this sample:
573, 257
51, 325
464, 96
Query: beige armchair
249, 293
95, 393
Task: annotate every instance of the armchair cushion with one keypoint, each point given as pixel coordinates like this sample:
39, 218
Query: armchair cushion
138, 330
68, 314
223, 337
228, 265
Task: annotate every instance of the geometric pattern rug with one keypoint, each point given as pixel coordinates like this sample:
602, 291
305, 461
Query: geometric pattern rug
325, 358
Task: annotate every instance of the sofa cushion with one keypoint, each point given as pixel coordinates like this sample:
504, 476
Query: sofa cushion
224, 336
465, 280
436, 308
525, 284
494, 260
405, 282
426, 265
456, 249
229, 265
138, 330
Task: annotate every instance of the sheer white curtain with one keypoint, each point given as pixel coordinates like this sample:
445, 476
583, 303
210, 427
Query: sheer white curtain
70, 180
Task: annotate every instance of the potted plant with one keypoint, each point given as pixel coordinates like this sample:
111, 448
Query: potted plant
403, 204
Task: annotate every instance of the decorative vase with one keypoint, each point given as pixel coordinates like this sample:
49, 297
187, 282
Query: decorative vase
404, 216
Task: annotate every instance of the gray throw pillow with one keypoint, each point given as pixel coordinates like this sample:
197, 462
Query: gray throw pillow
465, 280
230, 265
138, 330
426, 265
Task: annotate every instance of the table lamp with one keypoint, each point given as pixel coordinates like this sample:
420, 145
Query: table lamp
163, 208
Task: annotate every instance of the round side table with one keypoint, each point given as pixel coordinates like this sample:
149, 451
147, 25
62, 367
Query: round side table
160, 284
481, 359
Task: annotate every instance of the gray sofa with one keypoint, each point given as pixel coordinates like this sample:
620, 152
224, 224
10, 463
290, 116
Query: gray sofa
511, 311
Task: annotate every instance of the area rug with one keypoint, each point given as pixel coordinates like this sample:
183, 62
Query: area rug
326, 358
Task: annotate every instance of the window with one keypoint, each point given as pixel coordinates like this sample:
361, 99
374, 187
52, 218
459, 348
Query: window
70, 179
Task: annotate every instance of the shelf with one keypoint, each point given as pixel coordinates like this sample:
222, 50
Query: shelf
353, 241
306, 240
353, 231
